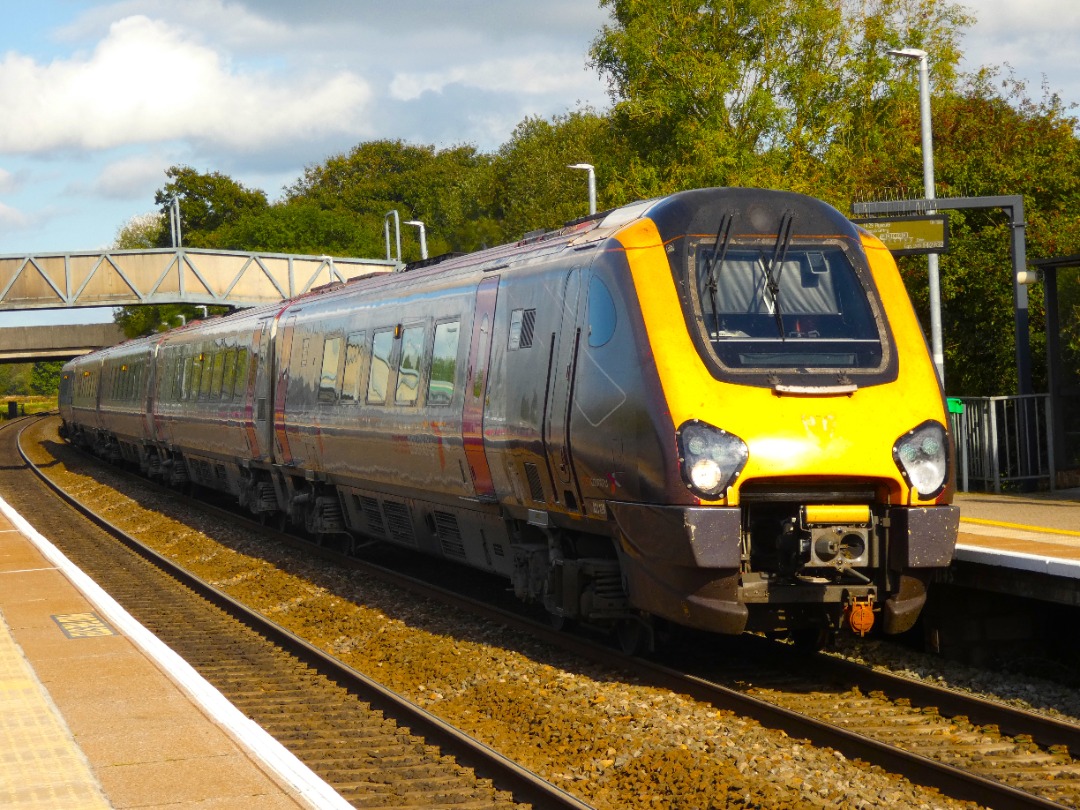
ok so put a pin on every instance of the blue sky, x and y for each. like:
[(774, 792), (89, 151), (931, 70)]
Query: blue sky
[(100, 98)]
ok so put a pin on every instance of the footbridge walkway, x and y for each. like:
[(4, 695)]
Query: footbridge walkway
[(185, 275)]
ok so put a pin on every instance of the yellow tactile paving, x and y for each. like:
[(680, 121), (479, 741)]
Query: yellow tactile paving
[(40, 764)]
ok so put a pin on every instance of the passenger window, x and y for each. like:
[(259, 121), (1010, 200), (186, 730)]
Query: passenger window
[(350, 377), (412, 349), (229, 380), (381, 346), (218, 378), (191, 380), (602, 316), (328, 377), (443, 364), (242, 368), (206, 377)]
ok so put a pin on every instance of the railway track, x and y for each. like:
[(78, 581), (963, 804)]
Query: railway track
[(371, 745), (969, 749)]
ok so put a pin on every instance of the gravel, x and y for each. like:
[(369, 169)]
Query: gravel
[(1021, 691)]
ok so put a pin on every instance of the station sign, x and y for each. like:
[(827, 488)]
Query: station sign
[(910, 235)]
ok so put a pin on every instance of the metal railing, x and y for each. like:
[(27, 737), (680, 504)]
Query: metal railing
[(1004, 442)]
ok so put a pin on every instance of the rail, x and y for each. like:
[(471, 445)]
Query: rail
[(1004, 442)]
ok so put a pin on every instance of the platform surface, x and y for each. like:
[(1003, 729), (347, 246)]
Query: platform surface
[(1035, 532), (88, 720)]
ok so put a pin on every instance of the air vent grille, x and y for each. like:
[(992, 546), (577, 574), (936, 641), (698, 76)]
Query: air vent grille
[(449, 533), (399, 522), (536, 486)]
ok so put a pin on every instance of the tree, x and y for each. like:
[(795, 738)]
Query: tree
[(207, 202), (146, 319), (760, 91), (991, 138), (15, 379), (301, 226), (448, 190), (141, 232), (45, 377), (533, 186)]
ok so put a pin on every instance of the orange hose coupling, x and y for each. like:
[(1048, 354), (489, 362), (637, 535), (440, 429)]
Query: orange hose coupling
[(859, 613)]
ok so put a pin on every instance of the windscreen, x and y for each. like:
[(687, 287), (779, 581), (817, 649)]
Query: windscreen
[(805, 309)]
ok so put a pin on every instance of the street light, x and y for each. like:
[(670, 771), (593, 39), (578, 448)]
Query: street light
[(933, 276), (397, 233), (592, 183), (423, 236), (174, 221)]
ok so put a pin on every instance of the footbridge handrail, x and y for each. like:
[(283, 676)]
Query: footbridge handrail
[(169, 275)]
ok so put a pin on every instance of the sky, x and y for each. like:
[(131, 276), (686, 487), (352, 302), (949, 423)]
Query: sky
[(99, 98)]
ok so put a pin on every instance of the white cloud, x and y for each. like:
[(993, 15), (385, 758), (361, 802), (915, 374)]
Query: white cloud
[(1036, 38), (522, 76), (12, 219), (132, 177), (8, 184), (149, 82)]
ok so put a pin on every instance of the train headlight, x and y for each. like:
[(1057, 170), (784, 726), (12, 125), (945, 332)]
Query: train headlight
[(711, 458), (922, 455)]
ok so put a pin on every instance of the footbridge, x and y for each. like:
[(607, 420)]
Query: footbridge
[(169, 276)]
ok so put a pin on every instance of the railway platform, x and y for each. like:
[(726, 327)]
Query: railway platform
[(1013, 590), (93, 715), (1038, 532)]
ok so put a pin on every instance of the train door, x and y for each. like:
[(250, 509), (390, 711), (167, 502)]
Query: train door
[(257, 391), (150, 411), (281, 389), (561, 391), (472, 416)]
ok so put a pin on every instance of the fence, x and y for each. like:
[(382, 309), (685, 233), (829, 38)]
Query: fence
[(1003, 442)]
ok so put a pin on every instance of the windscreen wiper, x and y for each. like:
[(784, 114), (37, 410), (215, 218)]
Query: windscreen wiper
[(772, 283), (723, 238)]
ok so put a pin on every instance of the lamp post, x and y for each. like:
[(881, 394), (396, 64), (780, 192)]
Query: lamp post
[(423, 236), (397, 233), (174, 221), (933, 276), (588, 167)]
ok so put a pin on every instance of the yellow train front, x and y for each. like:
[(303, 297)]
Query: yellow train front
[(756, 412)]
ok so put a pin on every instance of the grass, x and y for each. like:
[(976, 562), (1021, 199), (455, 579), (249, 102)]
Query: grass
[(28, 405)]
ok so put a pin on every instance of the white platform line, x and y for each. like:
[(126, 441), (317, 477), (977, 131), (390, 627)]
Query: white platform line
[(247, 732), (1019, 560)]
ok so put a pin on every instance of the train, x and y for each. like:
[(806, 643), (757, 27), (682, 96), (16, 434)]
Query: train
[(714, 409)]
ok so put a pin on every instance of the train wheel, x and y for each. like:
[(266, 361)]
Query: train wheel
[(810, 639), (559, 622), (635, 636)]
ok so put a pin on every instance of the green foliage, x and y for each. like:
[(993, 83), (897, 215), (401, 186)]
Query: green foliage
[(15, 379), (449, 191), (762, 91), (150, 318), (45, 378), (207, 202), (142, 232), (534, 188)]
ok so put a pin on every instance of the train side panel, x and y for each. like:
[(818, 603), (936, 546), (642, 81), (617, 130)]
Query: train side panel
[(202, 403)]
